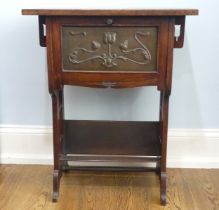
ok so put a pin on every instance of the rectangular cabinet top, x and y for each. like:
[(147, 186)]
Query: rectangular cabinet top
[(146, 12)]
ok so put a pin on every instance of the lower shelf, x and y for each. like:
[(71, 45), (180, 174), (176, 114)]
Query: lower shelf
[(111, 141)]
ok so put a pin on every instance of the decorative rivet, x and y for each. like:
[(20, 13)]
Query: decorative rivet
[(109, 21)]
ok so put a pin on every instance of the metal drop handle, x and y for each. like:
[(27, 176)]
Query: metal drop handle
[(109, 21)]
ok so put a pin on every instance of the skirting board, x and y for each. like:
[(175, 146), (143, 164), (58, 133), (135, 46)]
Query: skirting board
[(187, 148)]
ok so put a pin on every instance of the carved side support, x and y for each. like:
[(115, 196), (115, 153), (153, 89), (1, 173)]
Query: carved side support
[(164, 108), (56, 92), (42, 21)]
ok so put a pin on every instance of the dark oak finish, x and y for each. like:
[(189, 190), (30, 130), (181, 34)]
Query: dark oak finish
[(109, 137), (117, 80), (120, 78), (91, 60)]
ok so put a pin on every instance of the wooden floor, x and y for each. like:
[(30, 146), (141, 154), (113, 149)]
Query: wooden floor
[(29, 187)]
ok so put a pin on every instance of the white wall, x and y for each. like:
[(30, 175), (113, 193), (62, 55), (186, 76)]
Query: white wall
[(187, 148), (24, 98)]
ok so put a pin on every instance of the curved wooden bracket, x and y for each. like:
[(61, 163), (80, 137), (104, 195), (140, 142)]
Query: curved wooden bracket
[(42, 22), (179, 40)]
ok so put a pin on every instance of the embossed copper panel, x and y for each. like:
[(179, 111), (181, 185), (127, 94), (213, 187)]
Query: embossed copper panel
[(109, 48)]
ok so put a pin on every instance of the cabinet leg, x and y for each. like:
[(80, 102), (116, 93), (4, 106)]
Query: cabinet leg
[(164, 106), (163, 188), (57, 133), (56, 184)]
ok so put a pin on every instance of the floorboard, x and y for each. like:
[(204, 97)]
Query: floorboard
[(29, 187)]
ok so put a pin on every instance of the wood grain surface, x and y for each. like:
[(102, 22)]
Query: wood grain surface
[(145, 12), (29, 187)]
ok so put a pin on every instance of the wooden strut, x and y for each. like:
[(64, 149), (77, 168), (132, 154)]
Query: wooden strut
[(58, 114), (164, 105)]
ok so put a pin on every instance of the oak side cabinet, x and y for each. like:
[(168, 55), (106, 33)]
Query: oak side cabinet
[(110, 49)]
